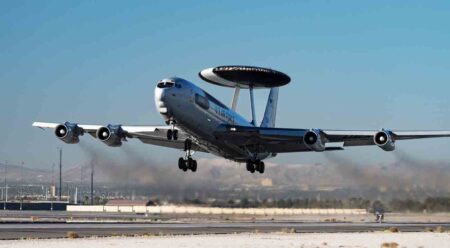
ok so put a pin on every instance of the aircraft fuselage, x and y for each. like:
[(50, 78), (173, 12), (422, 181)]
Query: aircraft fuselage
[(199, 114)]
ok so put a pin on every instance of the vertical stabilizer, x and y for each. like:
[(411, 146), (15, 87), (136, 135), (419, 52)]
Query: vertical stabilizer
[(271, 109)]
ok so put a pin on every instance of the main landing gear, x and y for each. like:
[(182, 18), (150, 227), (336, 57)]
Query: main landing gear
[(256, 165), (187, 163)]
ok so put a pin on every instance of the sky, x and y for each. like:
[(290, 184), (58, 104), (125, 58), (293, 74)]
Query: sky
[(353, 65)]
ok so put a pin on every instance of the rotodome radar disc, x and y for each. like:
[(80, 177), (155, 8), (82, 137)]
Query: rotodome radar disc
[(244, 76)]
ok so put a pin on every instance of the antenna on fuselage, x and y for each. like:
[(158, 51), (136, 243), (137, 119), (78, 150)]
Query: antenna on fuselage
[(245, 77)]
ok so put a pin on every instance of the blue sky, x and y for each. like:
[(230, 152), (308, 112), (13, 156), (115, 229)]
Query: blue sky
[(353, 64)]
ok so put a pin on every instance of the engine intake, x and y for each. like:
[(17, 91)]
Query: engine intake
[(68, 132), (314, 141), (383, 139), (111, 135)]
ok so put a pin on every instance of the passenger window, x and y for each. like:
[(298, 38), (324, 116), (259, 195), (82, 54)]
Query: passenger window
[(201, 101)]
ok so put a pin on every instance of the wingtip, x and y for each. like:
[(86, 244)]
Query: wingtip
[(37, 124)]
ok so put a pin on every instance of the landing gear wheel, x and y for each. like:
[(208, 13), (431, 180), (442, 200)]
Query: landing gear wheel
[(189, 163), (257, 165), (194, 166), (169, 134), (261, 167), (181, 163), (175, 134), (249, 164), (252, 167)]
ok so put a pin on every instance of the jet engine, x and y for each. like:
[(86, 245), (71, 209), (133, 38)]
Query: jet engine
[(111, 135), (314, 141), (68, 132), (383, 139)]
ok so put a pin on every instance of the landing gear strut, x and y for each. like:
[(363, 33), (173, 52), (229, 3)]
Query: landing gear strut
[(187, 163), (256, 165)]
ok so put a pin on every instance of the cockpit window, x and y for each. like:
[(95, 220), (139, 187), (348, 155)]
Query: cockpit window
[(165, 84)]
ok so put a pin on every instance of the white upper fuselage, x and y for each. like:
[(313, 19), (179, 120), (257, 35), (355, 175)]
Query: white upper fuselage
[(199, 114)]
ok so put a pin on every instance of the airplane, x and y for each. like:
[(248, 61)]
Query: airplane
[(198, 122)]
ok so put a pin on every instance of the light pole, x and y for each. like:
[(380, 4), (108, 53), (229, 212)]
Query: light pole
[(92, 183), (60, 174), (81, 184), (6, 185), (53, 185), (21, 185)]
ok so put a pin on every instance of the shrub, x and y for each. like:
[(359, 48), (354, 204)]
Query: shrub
[(389, 245), (72, 235), (440, 229), (392, 229)]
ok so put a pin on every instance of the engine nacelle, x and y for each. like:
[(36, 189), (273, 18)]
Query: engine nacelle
[(68, 132), (314, 141), (383, 139), (111, 135)]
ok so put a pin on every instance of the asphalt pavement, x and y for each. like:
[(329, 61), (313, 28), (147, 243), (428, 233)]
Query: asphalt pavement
[(60, 230)]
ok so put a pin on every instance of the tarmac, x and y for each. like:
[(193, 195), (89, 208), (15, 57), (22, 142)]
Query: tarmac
[(56, 224), (60, 230)]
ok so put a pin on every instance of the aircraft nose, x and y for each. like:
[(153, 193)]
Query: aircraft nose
[(162, 87), (160, 95), (162, 90)]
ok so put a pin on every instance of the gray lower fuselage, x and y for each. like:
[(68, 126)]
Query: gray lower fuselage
[(199, 114)]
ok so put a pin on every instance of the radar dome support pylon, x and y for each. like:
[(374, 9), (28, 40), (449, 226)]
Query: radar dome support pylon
[(235, 98), (252, 104)]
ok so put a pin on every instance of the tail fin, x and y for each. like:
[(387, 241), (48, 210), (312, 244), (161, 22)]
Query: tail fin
[(271, 109)]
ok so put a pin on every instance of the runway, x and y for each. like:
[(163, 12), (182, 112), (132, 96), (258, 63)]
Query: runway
[(59, 230)]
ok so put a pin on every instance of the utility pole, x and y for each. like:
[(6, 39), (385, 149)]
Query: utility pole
[(92, 183), (75, 196), (81, 184), (60, 174), (53, 185), (21, 185), (68, 193), (6, 185)]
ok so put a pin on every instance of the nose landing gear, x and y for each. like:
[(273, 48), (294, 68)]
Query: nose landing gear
[(187, 163), (172, 134), (256, 165)]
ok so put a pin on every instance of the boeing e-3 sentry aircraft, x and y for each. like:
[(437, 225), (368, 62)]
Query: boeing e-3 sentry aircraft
[(196, 121)]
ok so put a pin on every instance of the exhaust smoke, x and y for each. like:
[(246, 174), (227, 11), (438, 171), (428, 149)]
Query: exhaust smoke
[(131, 170)]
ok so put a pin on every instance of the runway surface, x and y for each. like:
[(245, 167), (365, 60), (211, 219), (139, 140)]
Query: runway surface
[(56, 230)]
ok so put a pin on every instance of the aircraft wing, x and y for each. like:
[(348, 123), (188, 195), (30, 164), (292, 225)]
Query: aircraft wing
[(154, 135), (280, 140), (356, 138)]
